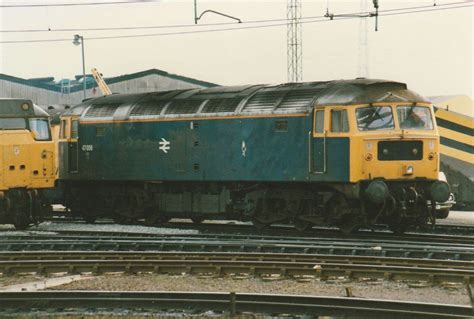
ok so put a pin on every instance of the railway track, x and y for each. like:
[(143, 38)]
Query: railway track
[(256, 264), (240, 243), (438, 229), (224, 255), (267, 256), (228, 303), (278, 231), (367, 236), (239, 233)]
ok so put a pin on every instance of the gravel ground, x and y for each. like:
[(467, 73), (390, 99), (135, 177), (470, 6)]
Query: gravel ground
[(14, 280), (48, 226), (119, 314), (454, 294), (455, 218), (380, 289)]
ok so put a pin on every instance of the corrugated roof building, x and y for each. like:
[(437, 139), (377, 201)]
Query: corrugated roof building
[(44, 91)]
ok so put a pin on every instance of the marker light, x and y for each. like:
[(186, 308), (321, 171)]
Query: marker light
[(368, 157), (408, 170)]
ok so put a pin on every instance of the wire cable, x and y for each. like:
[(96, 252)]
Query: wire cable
[(210, 24), (75, 4), (315, 20)]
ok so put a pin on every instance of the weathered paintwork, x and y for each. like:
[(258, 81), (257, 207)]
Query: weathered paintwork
[(27, 162), (235, 149), (289, 152), (20, 108), (242, 133)]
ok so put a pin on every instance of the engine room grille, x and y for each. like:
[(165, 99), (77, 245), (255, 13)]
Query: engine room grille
[(183, 106), (298, 99), (221, 105), (264, 100), (149, 108), (102, 110)]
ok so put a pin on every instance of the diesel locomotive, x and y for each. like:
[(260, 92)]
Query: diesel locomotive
[(349, 153), (27, 159)]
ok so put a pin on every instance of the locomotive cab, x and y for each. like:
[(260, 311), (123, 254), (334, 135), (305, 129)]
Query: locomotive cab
[(389, 152), (27, 162)]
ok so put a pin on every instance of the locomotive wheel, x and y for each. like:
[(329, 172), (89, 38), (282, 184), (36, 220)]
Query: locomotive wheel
[(163, 219), (197, 220), (260, 225), (122, 220), (349, 225), (21, 221), (89, 219), (156, 220), (347, 221), (398, 228), (302, 225)]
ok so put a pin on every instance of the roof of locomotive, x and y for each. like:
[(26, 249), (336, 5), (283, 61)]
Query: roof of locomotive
[(244, 100), (20, 108)]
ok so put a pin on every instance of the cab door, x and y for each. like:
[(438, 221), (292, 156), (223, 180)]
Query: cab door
[(319, 143), (70, 138), (331, 144)]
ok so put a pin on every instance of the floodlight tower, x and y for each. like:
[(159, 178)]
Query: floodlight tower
[(294, 41), (363, 42)]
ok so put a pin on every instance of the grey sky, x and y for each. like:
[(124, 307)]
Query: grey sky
[(431, 51)]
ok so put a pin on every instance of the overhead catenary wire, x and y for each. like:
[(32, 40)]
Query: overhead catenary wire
[(314, 20), (76, 4), (216, 24)]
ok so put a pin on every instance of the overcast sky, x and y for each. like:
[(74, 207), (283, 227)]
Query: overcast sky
[(431, 51)]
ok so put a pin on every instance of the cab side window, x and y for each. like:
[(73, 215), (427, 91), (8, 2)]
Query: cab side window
[(63, 129), (339, 121), (74, 129), (319, 121)]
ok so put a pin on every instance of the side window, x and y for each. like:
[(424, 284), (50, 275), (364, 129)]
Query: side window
[(63, 129), (320, 121), (74, 129), (339, 121)]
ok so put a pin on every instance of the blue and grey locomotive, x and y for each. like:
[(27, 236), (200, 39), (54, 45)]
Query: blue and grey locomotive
[(350, 153)]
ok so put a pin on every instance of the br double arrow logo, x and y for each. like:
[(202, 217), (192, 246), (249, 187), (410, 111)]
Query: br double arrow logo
[(165, 145)]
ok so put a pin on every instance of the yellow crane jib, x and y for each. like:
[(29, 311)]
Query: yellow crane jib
[(100, 82)]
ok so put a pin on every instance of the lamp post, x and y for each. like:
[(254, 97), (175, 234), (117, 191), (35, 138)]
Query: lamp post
[(78, 39)]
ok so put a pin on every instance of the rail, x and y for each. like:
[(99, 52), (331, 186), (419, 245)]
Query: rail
[(322, 267), (231, 303)]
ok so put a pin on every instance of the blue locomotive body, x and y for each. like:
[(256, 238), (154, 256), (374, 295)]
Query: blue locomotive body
[(307, 153), (269, 149)]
